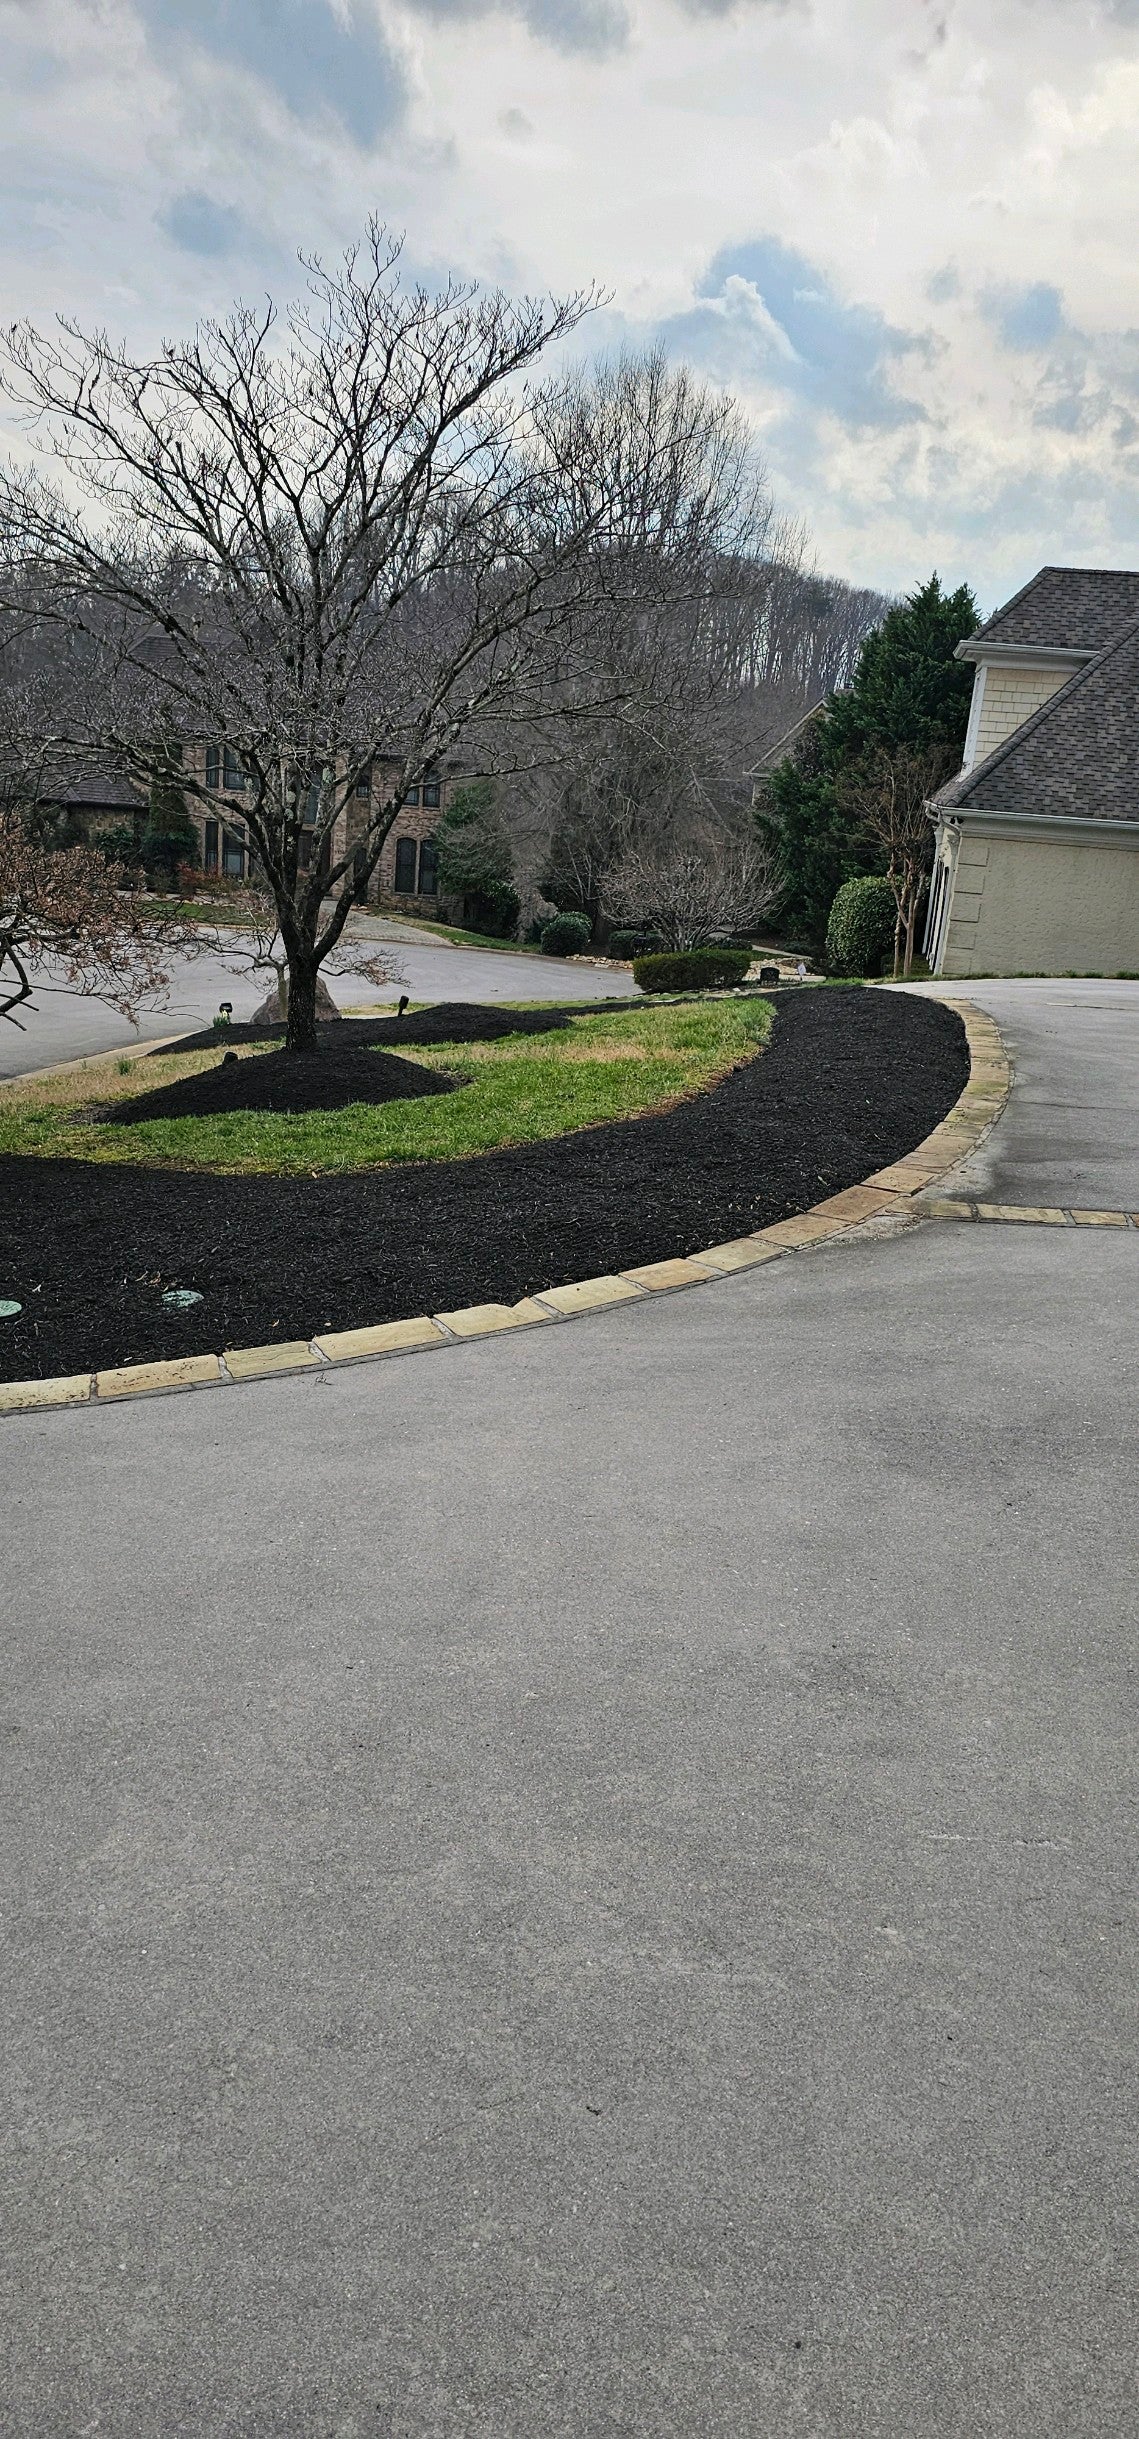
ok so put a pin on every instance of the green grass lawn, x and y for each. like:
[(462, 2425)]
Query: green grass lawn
[(521, 1089)]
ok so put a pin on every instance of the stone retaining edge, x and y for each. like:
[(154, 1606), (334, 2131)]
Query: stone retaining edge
[(892, 1190)]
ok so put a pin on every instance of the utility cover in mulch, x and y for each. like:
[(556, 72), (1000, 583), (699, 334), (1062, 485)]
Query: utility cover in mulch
[(329, 1079), (850, 1080), (451, 1020)]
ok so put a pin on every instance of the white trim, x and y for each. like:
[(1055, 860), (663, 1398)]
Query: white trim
[(1024, 656), (974, 718), (1041, 825)]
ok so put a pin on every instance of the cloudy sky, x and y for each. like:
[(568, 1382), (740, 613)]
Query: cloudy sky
[(903, 231)]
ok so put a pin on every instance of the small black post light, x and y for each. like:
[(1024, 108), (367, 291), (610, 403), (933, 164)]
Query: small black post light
[(403, 1004)]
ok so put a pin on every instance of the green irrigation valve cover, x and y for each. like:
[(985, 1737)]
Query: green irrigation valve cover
[(180, 1299), (8, 1310)]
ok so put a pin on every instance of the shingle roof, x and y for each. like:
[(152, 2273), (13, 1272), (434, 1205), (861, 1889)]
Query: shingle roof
[(1073, 609), (1077, 757)]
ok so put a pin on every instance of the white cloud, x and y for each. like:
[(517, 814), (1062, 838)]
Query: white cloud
[(955, 183)]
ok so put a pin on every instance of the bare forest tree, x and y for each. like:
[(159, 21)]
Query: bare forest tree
[(775, 640), (888, 795), (364, 532), (691, 891)]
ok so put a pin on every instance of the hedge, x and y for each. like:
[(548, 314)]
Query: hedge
[(860, 930), (705, 969)]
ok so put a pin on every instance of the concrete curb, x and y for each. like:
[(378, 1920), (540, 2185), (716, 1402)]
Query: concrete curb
[(892, 1190)]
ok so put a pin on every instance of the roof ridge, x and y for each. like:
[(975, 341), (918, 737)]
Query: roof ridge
[(1037, 718), (1052, 567)]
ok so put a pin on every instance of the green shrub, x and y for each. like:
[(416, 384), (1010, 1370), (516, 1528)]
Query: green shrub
[(704, 969), (860, 932), (565, 935), (634, 944), (493, 910)]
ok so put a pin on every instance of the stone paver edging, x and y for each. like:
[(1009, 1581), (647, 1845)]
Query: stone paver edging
[(895, 1189)]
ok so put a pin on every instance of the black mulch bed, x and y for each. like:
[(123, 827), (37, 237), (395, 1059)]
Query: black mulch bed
[(851, 1080), (330, 1080), (451, 1020)]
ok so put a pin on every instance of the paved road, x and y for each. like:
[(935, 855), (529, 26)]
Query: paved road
[(64, 1026), (584, 1884)]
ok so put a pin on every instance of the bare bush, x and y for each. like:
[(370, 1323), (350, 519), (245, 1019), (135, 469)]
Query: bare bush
[(65, 918), (690, 891)]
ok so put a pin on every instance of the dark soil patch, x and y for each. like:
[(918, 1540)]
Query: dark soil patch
[(850, 1081), (331, 1079), (453, 1020)]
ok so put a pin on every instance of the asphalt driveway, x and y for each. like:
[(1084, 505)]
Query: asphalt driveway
[(585, 1884)]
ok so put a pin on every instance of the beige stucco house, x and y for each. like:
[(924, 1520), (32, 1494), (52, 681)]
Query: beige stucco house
[(1036, 861)]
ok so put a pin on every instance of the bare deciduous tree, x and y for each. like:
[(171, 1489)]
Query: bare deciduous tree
[(691, 891), (366, 533), (888, 795)]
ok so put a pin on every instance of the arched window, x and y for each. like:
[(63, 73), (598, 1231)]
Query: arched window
[(428, 869), (405, 867)]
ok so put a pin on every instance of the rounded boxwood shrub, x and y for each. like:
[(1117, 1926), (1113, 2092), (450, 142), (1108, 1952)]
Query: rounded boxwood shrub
[(860, 931), (623, 944), (565, 935), (703, 969)]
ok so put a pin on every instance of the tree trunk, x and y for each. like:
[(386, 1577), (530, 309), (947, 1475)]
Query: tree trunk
[(300, 1030)]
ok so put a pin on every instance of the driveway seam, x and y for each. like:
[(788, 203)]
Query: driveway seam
[(894, 1190)]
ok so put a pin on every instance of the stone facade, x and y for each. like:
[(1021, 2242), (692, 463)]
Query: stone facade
[(404, 873)]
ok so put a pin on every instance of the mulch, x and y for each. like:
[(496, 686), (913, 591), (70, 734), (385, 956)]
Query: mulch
[(450, 1020), (331, 1079), (851, 1080)]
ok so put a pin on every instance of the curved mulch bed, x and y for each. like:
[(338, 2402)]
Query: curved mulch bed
[(449, 1020), (850, 1081), (274, 1081)]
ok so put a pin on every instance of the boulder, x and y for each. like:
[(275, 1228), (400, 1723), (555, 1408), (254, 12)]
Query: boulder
[(274, 1007)]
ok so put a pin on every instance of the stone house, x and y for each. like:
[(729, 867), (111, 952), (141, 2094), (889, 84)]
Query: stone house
[(1036, 856), (407, 871)]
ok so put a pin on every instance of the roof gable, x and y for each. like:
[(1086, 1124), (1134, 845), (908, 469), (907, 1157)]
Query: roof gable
[(1077, 758)]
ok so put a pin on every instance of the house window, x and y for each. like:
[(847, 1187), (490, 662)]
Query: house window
[(211, 847), (233, 856), (428, 868), (405, 867), (223, 770), (411, 796), (431, 793), (364, 784)]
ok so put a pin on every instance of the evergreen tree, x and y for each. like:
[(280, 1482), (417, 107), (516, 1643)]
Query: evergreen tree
[(169, 837), (908, 690), (476, 860)]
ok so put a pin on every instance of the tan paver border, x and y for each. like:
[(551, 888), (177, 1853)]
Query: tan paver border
[(902, 1188)]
